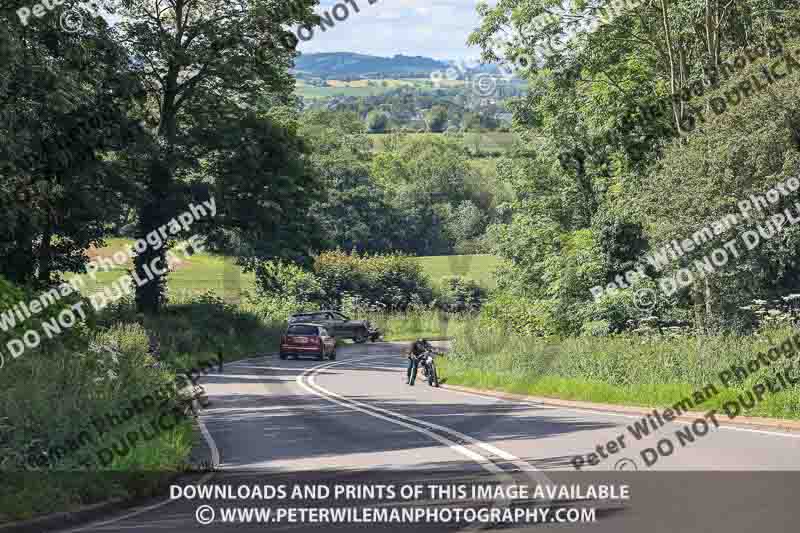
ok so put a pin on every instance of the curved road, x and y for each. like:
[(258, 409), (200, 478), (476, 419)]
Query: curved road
[(354, 421)]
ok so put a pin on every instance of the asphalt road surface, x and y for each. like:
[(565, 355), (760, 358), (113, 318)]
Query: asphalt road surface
[(354, 423)]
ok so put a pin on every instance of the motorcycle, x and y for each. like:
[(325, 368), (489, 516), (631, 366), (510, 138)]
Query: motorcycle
[(429, 367)]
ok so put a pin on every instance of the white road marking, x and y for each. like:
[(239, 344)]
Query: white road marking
[(350, 404), (484, 462), (369, 409), (215, 459), (205, 479), (613, 413)]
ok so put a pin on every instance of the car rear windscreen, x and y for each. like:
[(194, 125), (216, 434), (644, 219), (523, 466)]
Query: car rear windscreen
[(301, 330)]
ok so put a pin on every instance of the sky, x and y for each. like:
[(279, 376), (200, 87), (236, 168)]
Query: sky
[(430, 28)]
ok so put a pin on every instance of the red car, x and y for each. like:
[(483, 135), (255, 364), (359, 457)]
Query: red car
[(307, 339)]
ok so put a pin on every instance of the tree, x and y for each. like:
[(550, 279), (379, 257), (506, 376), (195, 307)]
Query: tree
[(65, 121), (207, 64), (353, 214), (732, 156), (266, 190), (601, 180), (425, 180), (436, 119), (377, 122)]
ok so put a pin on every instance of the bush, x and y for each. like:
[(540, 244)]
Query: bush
[(390, 281), (596, 328), (460, 294), (283, 289), (615, 307), (11, 295), (507, 312)]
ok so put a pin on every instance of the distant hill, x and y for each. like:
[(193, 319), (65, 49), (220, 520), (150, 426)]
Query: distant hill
[(338, 65)]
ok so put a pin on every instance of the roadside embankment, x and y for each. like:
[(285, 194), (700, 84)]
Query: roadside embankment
[(98, 414), (755, 376)]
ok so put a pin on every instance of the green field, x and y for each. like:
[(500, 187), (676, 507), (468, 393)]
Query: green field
[(477, 267), (361, 87), (198, 274), (205, 272)]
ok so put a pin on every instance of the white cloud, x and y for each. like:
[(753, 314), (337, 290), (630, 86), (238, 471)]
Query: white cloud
[(433, 28)]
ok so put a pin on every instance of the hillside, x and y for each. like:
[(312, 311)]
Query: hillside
[(347, 64)]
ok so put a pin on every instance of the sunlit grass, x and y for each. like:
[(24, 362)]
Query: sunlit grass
[(204, 272), (626, 370)]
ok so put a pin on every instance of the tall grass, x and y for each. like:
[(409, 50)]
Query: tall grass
[(630, 370), (50, 398)]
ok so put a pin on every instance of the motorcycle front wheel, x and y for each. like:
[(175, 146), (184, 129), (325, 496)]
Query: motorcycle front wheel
[(433, 377)]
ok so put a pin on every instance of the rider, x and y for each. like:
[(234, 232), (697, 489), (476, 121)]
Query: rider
[(417, 348)]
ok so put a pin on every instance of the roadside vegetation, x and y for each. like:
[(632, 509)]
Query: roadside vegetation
[(621, 369), (120, 356), (314, 209)]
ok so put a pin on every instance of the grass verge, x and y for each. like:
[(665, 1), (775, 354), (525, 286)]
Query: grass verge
[(625, 370), (51, 402)]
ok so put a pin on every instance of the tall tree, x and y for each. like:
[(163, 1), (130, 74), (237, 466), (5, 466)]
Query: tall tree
[(64, 120), (206, 65)]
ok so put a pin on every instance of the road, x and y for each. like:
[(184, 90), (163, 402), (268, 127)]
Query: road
[(355, 422)]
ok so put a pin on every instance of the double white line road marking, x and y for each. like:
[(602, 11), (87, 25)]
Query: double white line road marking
[(443, 435)]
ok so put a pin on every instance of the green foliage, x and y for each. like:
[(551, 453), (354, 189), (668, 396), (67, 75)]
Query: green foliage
[(354, 212), (265, 192), (69, 338), (457, 294), (377, 122), (285, 288), (596, 328), (621, 369), (51, 394), (437, 119), (319, 122), (508, 312), (205, 142), (614, 308), (392, 281), (436, 193), (600, 179), (64, 121)]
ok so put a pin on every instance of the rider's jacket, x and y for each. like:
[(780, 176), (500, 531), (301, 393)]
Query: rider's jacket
[(416, 349)]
